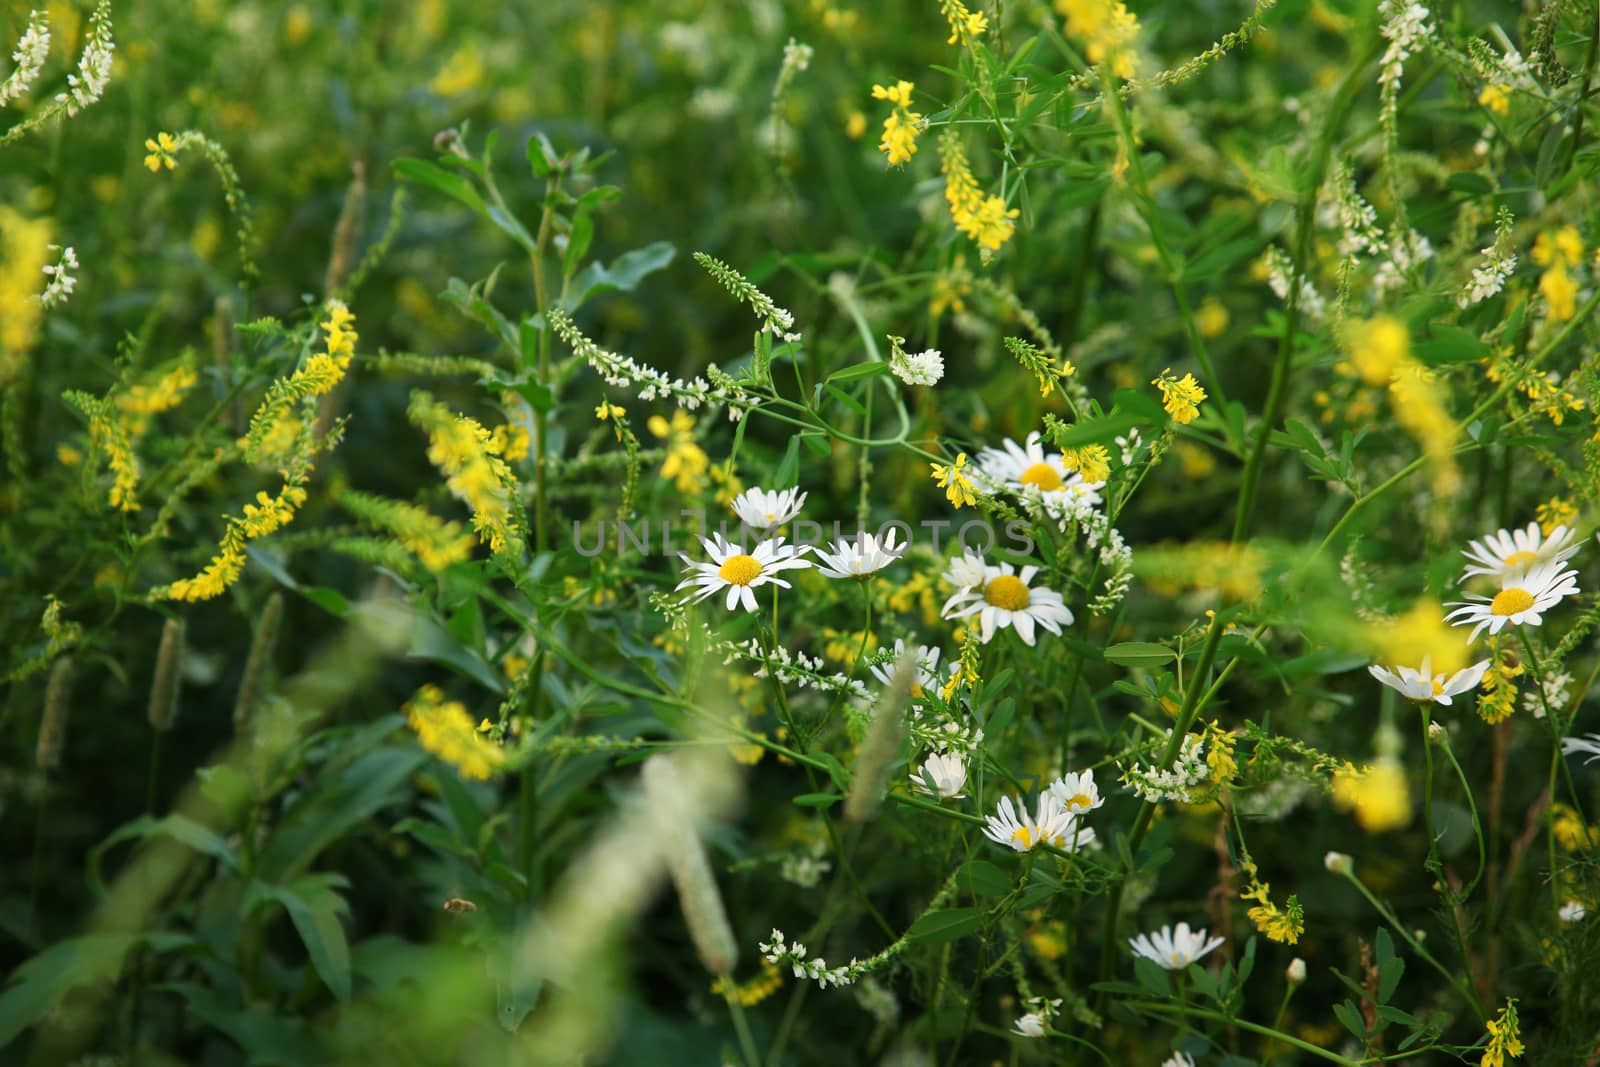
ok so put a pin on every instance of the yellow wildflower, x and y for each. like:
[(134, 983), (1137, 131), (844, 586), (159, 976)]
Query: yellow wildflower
[(757, 989), (462, 72), (1496, 98), (607, 410), (445, 729), (1283, 925), (687, 463), (1211, 318), (1380, 355), (1377, 793), (1379, 349), (1505, 1037), (1563, 247), (1569, 830), (1421, 633), (1497, 692), (435, 542), (139, 402), (983, 219), (1180, 396), (964, 24), (24, 252), (512, 441), (855, 125), (1557, 511), (1107, 29), (1560, 292), (1091, 461), (954, 481), (161, 152), (477, 473), (901, 128)]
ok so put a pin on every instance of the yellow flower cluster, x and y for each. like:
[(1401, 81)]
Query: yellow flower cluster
[(1181, 397), (445, 729), (1557, 511), (111, 436), (1570, 831), (964, 24), (1420, 633), (1496, 98), (1377, 793), (1220, 759), (686, 463), (952, 478), (1380, 355), (982, 218), (317, 376), (1091, 461), (1505, 1037), (916, 592), (1233, 570), (1107, 29), (901, 128), (24, 253), (1497, 693), (512, 441), (1284, 925), (1557, 251), (476, 471), (161, 151), (435, 542), (139, 402), (757, 989)]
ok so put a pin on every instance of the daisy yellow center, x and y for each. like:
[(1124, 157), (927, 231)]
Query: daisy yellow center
[(739, 570), (1177, 957), (1517, 559), (1041, 476), (1079, 801), (1437, 688), (1024, 835), (1510, 602), (917, 690), (1008, 592)]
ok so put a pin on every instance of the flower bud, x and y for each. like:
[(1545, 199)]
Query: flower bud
[(1296, 972), (163, 708), (1437, 736), (1339, 863)]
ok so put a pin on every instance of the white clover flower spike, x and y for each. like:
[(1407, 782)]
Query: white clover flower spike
[(1051, 825), (1506, 552), (762, 509), (1572, 912), (918, 368), (1422, 685), (1076, 792), (1028, 469), (1523, 599), (861, 558), (1032, 1024), (1173, 949), (1591, 745), (740, 572), (942, 776), (1006, 599)]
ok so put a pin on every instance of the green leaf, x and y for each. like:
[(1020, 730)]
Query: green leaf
[(788, 472), (1449, 344), (578, 242), (437, 178), (1140, 654), (1347, 1014), (984, 879), (542, 157), (431, 641), (1152, 977), (945, 925), (314, 907), (624, 274), (180, 828), (856, 371), (817, 800)]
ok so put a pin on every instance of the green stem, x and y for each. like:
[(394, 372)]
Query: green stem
[(1254, 1028), (741, 1026), (1389, 917), (1282, 370)]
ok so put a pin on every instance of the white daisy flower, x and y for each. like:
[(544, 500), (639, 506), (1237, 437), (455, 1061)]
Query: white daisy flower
[(738, 571), (1005, 599), (1422, 685), (1027, 468), (966, 571), (1076, 792), (1591, 745), (1051, 825), (762, 509), (1572, 912), (1524, 597), (1506, 552), (942, 776), (1173, 949), (861, 558), (1178, 1059), (927, 658)]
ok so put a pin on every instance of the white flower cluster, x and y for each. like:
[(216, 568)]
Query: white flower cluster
[(1129, 446), (94, 65), (929, 729), (774, 319), (1499, 262), (62, 281), (793, 668), (1279, 270), (1406, 250), (817, 969), (1356, 219), (1404, 24), (917, 368), (1557, 692), (805, 866), (1170, 783), (33, 47), (1115, 555), (623, 372), (1036, 1023)]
